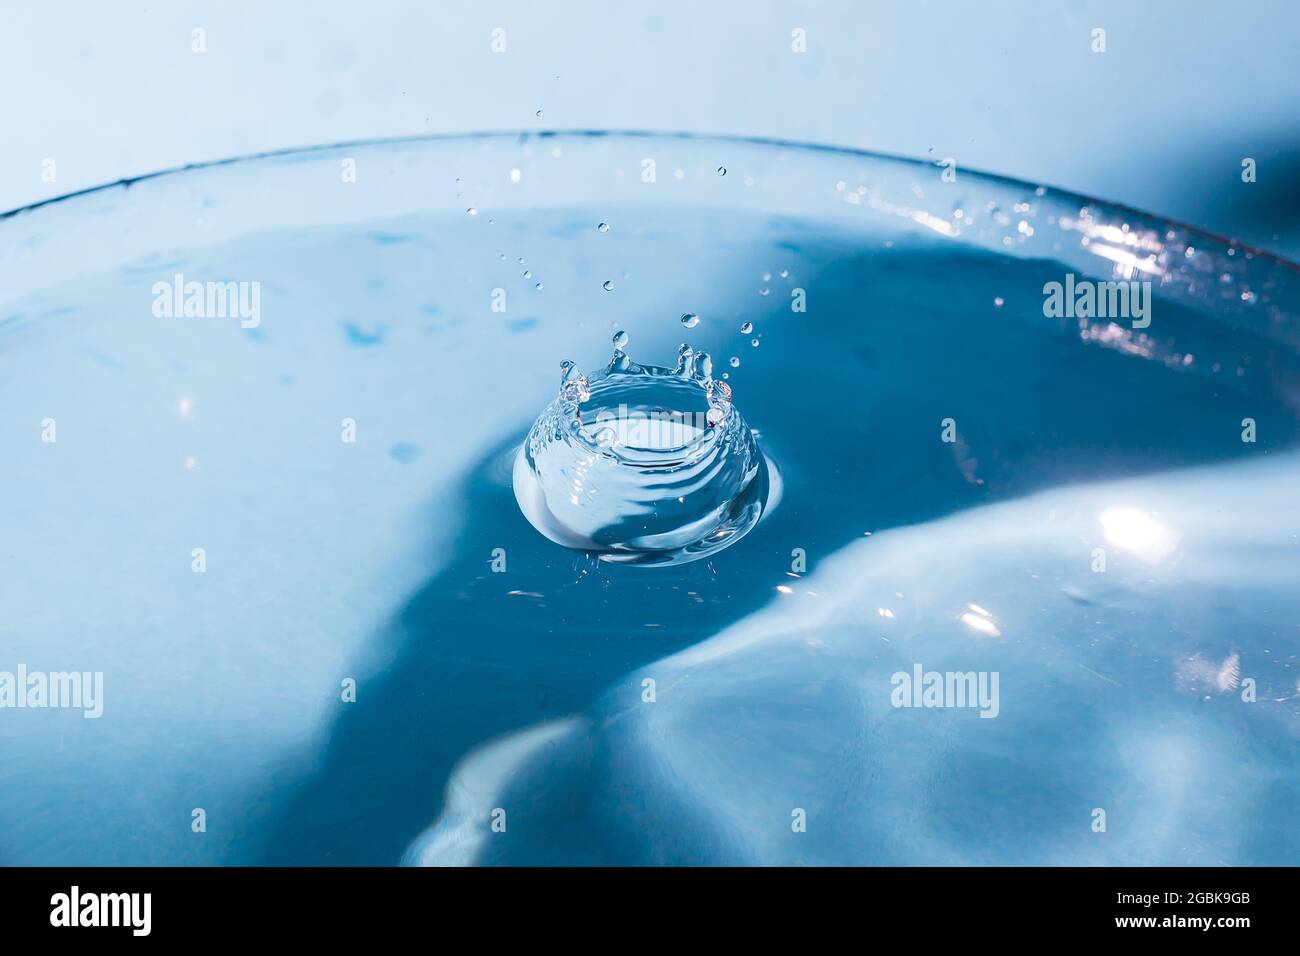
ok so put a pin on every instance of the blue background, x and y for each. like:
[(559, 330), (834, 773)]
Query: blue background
[(1161, 120)]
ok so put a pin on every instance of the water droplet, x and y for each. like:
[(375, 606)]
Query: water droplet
[(539, 287), (573, 384), (472, 211), (722, 170), (690, 320), (998, 302), (642, 465), (528, 274), (539, 112), (603, 227), (608, 285), (516, 175), (754, 342), (735, 362), (746, 328), (763, 291), (785, 273), (620, 339)]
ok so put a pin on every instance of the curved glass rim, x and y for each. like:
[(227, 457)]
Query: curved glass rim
[(876, 197), (1057, 192)]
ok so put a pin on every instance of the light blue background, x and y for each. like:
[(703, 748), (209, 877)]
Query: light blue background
[(1161, 120)]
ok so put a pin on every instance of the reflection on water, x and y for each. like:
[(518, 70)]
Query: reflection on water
[(345, 469)]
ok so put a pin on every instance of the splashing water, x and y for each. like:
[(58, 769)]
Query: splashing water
[(643, 464)]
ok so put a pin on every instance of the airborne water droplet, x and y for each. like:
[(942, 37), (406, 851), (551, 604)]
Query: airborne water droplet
[(722, 170), (603, 227), (746, 328), (620, 339), (608, 285), (735, 362), (690, 320)]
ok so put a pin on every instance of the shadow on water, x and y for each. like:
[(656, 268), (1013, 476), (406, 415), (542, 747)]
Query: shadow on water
[(850, 406)]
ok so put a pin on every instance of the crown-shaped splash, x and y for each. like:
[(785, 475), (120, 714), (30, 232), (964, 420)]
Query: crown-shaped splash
[(642, 464)]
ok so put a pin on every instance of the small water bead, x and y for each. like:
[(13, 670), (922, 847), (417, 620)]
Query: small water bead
[(539, 287), (754, 342), (746, 328), (722, 170), (608, 285), (620, 339), (998, 302), (472, 211), (785, 273), (603, 227), (735, 362), (764, 291), (690, 320), (528, 274)]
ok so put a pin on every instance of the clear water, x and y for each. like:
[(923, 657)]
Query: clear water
[(497, 670), (643, 464)]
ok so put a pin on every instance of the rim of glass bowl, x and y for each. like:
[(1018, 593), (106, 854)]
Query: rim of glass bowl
[(197, 204)]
